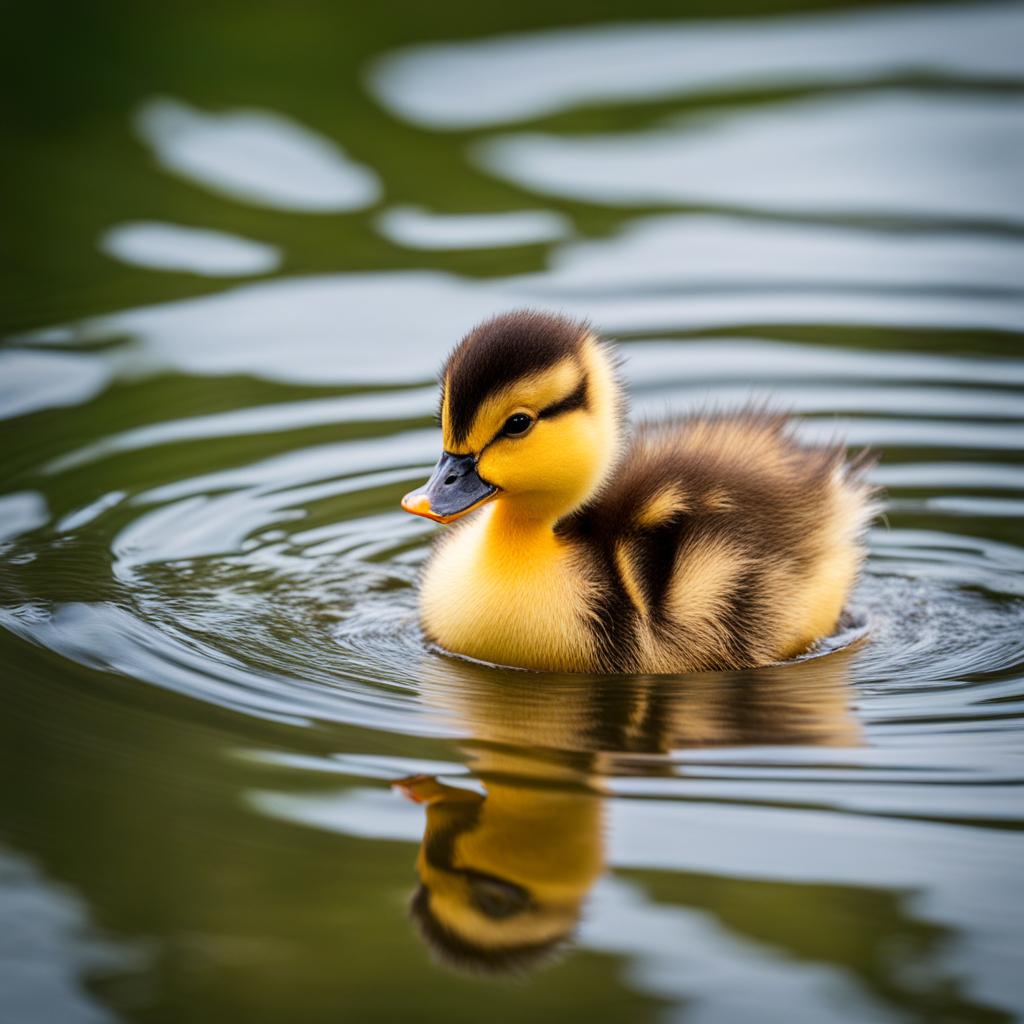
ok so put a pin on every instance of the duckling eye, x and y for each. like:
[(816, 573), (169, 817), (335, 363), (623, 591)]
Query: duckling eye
[(496, 898), (518, 423)]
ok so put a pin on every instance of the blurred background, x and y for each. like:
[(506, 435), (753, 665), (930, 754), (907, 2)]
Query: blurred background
[(237, 241)]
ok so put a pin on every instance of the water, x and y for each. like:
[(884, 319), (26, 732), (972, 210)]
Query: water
[(237, 250)]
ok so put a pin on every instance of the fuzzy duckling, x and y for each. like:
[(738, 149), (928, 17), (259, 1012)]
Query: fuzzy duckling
[(709, 542)]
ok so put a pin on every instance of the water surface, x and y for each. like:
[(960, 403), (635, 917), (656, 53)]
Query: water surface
[(237, 251)]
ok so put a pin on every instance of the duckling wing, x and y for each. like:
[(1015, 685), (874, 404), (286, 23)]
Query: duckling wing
[(721, 541)]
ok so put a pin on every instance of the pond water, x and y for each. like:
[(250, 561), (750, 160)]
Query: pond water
[(236, 249)]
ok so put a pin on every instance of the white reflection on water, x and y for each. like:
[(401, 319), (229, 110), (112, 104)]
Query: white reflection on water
[(413, 403), (706, 360), (48, 946), (946, 157), (83, 516), (507, 78), (966, 879), (393, 326), (160, 246), (256, 156), (31, 380), (696, 253), (360, 328), (415, 228), (686, 955), (318, 466), (22, 512)]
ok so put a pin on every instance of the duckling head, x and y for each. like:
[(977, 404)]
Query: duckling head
[(530, 416), (503, 877)]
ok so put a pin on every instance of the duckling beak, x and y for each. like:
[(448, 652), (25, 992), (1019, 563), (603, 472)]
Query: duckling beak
[(454, 488)]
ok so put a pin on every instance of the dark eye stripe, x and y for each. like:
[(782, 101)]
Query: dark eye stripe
[(577, 399)]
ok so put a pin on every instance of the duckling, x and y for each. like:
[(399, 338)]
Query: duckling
[(715, 541)]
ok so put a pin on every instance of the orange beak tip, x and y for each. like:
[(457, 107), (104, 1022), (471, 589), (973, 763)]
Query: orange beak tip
[(410, 787), (417, 503)]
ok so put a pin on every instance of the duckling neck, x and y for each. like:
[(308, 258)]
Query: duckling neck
[(519, 546), (515, 524), (505, 591)]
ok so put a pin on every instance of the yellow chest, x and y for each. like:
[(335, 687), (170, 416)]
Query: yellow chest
[(512, 598)]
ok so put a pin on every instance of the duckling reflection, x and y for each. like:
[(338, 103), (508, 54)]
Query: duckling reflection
[(504, 874)]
